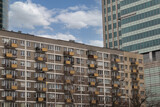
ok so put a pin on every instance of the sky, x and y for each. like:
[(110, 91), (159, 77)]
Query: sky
[(78, 20)]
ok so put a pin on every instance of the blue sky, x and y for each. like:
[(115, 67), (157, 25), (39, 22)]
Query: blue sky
[(78, 20)]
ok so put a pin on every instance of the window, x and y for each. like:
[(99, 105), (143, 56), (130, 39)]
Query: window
[(106, 73), (78, 60), (50, 47), (99, 55), (140, 61), (126, 75), (22, 63), (58, 58), (100, 63), (57, 48), (100, 72), (105, 55), (57, 67), (22, 43), (125, 58), (22, 73), (107, 81), (141, 76), (51, 57), (22, 53), (28, 54), (78, 52), (22, 84), (106, 64), (126, 66), (28, 64), (28, 85), (22, 95), (142, 92), (28, 74), (82, 52), (28, 44)]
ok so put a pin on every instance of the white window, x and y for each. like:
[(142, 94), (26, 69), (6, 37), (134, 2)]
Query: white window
[(100, 63), (28, 44), (28, 95), (22, 43), (51, 57), (22, 95), (28, 64), (78, 52), (22, 63), (50, 47), (57, 67), (28, 54), (28, 74), (107, 90), (105, 55), (22, 53), (22, 73), (22, 84), (28, 85), (57, 48), (106, 64)]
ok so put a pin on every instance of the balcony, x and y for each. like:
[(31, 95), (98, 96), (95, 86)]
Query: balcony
[(14, 87), (115, 85), (72, 91), (134, 71), (40, 99), (11, 45), (115, 68), (13, 66), (135, 87), (41, 59), (44, 89), (9, 98), (92, 57), (116, 102), (69, 53), (9, 55), (43, 50), (119, 94), (96, 92), (95, 74), (72, 72), (9, 76), (135, 63), (92, 83), (93, 102), (44, 69), (117, 60), (68, 81), (67, 62), (118, 77), (68, 100), (92, 66), (40, 79)]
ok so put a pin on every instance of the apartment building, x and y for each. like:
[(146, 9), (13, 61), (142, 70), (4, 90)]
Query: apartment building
[(43, 72), (3, 14)]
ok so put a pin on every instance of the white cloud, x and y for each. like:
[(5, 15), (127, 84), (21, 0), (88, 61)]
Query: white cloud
[(98, 43), (80, 19), (29, 15), (61, 36)]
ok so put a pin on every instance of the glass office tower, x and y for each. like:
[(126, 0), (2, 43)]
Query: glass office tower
[(140, 32), (111, 23), (4, 14)]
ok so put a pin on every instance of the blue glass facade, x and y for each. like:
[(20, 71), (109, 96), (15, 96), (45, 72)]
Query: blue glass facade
[(4, 14)]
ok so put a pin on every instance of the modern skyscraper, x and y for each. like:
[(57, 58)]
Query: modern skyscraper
[(4, 14), (42, 72), (111, 23), (140, 32)]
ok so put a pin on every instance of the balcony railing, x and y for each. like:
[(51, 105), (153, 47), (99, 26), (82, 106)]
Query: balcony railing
[(10, 98), (92, 57), (10, 66), (41, 59), (11, 45), (43, 50), (69, 53)]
